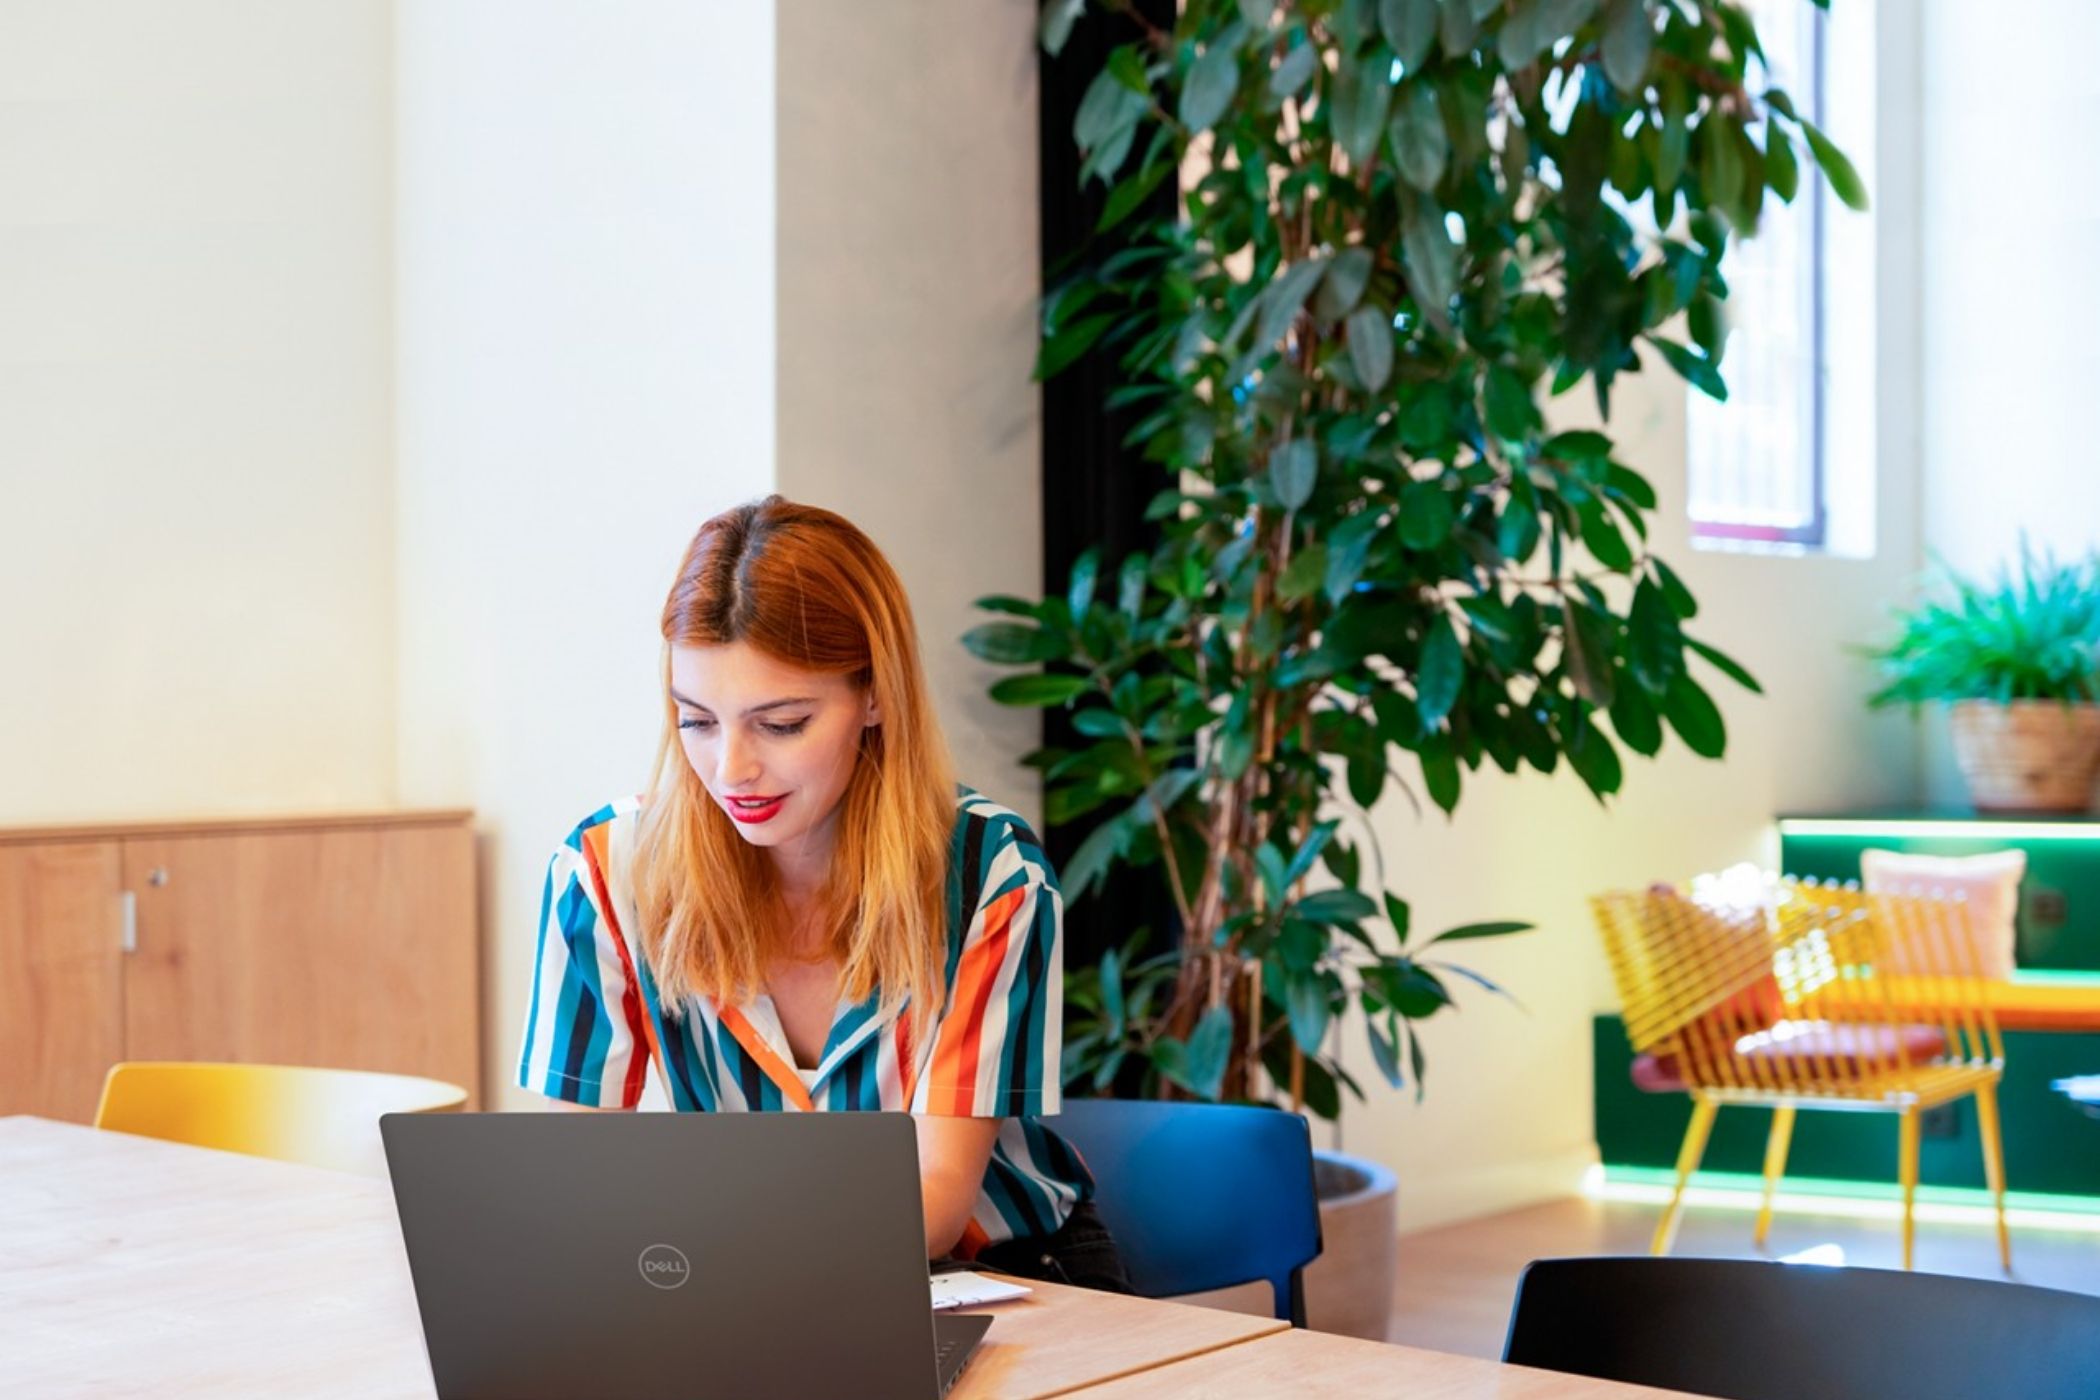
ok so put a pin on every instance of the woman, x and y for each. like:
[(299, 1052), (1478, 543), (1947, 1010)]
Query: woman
[(806, 913)]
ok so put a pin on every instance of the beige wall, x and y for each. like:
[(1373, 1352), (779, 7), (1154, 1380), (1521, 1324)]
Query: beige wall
[(2012, 257), (196, 500), (586, 373), (907, 285)]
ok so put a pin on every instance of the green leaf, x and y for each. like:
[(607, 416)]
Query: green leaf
[(1208, 1047), (1212, 81), (1039, 690), (1602, 537), (1410, 27), (1727, 666), (1293, 470), (1634, 720), (1440, 773), (1069, 343), (1335, 907), (1370, 337), (1057, 20), (1697, 370), (1099, 724), (1782, 173), (1442, 672), (1281, 301), (1091, 861), (1342, 287), (1080, 595), (1309, 851), (1295, 71), (1005, 643), (1348, 546), (1692, 713), (1386, 1055), (1257, 12), (1398, 914), (1360, 95), (1457, 26), (1112, 993), (1629, 38), (1307, 1000), (1421, 147), (1581, 445), (1269, 864), (1305, 573), (1511, 413), (1679, 597), (1124, 199), (1426, 514), (1844, 180), (1594, 759), (1655, 648), (1432, 261), (1495, 929)]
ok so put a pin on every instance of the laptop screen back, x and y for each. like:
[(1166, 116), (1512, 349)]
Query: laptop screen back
[(745, 1255)]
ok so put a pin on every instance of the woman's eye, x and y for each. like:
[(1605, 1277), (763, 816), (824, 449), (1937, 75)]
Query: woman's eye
[(701, 724), (784, 730)]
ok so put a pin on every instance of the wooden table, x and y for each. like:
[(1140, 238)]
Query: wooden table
[(135, 1267), (1316, 1366), (130, 1266)]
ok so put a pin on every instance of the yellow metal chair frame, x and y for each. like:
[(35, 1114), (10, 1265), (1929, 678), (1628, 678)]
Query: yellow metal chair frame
[(320, 1117), (1701, 984)]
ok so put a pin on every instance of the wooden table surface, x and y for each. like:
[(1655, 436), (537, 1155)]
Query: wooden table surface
[(130, 1266), (1316, 1366), (135, 1267)]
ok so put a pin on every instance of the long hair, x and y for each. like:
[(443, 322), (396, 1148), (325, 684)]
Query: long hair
[(808, 589)]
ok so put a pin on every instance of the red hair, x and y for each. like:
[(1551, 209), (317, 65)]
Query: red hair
[(806, 587)]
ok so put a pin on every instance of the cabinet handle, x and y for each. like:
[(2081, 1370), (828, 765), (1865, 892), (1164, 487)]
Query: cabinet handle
[(128, 904)]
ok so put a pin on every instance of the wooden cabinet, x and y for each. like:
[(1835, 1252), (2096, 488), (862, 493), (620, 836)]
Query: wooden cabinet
[(340, 941)]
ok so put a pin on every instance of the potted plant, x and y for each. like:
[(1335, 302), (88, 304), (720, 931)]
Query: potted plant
[(2017, 661), (1403, 225)]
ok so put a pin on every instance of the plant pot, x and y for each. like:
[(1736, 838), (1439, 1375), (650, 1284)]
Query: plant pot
[(2028, 755), (1349, 1288)]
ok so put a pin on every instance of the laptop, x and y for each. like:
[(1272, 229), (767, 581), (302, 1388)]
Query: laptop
[(750, 1256)]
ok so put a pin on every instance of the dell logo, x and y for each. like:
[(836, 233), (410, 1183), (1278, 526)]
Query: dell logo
[(664, 1266)]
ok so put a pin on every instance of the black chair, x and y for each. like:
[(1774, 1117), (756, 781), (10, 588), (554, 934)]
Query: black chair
[(1747, 1329), (1202, 1195)]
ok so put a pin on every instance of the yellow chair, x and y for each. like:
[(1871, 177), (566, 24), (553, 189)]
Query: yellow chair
[(1806, 996), (320, 1117)]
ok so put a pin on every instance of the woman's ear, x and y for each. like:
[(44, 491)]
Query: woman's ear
[(873, 716)]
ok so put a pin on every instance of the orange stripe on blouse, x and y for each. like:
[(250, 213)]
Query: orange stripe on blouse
[(776, 1069), (954, 1067), (973, 1240), (596, 845)]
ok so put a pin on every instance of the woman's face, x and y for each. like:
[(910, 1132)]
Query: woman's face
[(773, 745)]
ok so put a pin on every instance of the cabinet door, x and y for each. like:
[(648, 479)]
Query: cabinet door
[(352, 948), (61, 977)]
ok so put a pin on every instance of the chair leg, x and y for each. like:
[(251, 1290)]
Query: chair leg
[(1695, 1134), (1994, 1164), (1907, 1168), (1776, 1144)]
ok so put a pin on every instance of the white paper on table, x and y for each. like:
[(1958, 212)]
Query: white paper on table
[(964, 1289)]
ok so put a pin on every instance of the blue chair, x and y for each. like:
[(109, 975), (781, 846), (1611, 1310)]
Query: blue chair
[(1751, 1329), (1202, 1195)]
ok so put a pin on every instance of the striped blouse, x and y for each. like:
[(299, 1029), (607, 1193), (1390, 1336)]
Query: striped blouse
[(596, 1024)]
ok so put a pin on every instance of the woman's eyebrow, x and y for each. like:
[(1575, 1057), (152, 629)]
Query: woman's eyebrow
[(755, 709)]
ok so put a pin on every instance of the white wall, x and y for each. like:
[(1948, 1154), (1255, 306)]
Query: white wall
[(586, 373), (196, 504), (1508, 1114), (908, 279), (2012, 269)]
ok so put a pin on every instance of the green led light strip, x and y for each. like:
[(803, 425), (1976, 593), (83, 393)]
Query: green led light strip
[(1974, 1197), (2000, 831)]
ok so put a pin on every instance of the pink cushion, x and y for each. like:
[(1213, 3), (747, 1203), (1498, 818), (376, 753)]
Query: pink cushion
[(1818, 1044), (1989, 884)]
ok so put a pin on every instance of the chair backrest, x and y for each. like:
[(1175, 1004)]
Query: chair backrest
[(1202, 1196), (321, 1117), (1748, 1329), (1705, 979)]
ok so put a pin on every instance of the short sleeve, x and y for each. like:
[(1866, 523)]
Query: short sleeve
[(995, 1052), (585, 1037)]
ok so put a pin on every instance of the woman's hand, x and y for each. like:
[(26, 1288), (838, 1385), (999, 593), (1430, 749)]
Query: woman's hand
[(953, 1153)]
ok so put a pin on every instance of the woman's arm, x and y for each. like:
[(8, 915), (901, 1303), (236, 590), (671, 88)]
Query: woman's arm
[(953, 1153)]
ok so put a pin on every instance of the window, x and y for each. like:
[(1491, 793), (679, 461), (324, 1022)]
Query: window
[(1788, 462)]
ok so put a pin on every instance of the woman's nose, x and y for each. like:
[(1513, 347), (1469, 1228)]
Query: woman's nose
[(739, 763)]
